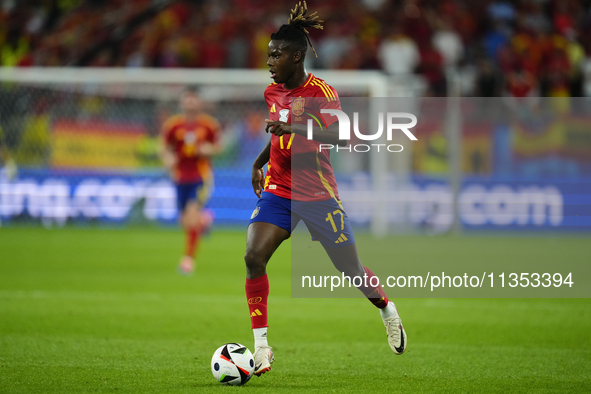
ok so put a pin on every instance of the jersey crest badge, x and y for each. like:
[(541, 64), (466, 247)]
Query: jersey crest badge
[(297, 107), (283, 115), (255, 212)]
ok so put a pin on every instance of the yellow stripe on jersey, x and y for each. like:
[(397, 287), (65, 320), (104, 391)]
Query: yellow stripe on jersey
[(281, 142), (327, 88), (330, 91), (310, 78), (315, 83), (290, 141), (268, 177), (327, 92), (325, 182)]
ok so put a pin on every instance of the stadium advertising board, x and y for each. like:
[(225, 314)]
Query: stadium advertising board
[(493, 204)]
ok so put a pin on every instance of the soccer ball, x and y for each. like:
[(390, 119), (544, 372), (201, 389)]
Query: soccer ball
[(232, 364)]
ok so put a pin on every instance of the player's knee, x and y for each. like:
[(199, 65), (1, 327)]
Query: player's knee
[(354, 271), (254, 261), (190, 218)]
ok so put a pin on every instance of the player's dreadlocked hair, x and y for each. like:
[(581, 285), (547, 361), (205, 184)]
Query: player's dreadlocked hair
[(295, 31)]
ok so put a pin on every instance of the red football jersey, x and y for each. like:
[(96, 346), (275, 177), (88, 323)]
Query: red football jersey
[(183, 136), (312, 178)]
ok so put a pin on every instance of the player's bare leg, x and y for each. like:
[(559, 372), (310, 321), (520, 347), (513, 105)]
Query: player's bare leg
[(191, 223), (346, 260), (262, 239)]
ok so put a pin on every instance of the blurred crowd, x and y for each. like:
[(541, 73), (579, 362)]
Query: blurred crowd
[(508, 47)]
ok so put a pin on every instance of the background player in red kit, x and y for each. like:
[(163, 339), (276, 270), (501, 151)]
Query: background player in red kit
[(307, 193), (190, 139)]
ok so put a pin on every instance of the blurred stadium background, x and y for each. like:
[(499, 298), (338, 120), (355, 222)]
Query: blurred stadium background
[(86, 85), (504, 148)]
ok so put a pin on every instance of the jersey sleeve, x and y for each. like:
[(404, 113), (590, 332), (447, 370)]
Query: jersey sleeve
[(327, 98)]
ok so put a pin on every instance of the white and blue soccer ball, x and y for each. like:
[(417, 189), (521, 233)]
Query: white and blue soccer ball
[(232, 364)]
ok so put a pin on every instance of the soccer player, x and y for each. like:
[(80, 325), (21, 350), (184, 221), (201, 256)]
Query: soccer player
[(189, 140), (288, 195)]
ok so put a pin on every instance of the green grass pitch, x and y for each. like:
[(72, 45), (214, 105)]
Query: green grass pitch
[(95, 310)]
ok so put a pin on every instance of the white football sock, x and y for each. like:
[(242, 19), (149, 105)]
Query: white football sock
[(260, 337), (389, 311)]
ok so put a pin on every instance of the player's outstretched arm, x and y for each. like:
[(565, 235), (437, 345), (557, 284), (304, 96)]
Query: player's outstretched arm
[(210, 149), (258, 175), (323, 135)]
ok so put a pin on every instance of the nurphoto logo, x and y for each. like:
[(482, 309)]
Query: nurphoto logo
[(345, 130)]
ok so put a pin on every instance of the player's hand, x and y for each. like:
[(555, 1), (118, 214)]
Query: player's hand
[(206, 149), (277, 127), (258, 181)]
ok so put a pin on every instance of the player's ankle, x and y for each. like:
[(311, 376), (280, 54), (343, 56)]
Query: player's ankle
[(260, 337), (388, 311)]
